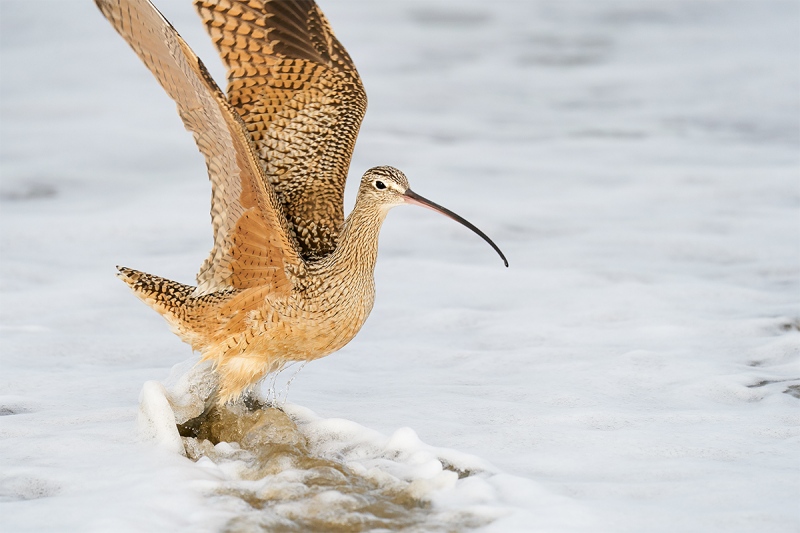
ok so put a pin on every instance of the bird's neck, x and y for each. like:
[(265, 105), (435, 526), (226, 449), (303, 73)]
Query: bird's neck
[(357, 249)]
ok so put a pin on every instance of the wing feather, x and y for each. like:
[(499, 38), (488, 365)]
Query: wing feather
[(252, 244), (302, 100)]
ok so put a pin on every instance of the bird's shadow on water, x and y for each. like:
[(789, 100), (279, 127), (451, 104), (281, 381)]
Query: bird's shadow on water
[(289, 486)]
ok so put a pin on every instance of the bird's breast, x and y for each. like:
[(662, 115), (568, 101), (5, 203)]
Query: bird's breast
[(311, 324)]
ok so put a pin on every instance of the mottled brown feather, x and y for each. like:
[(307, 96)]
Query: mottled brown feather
[(263, 298), (251, 238), (302, 100)]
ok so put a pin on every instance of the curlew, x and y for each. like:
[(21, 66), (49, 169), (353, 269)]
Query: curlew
[(288, 278)]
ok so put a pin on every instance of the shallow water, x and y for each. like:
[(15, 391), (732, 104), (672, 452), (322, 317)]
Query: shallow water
[(288, 485)]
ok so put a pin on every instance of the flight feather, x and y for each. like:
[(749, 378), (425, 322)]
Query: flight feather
[(299, 94), (252, 241)]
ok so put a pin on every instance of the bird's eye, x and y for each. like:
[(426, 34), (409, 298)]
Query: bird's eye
[(380, 185)]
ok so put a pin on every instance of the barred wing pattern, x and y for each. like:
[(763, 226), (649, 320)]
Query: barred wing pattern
[(252, 245), (302, 100)]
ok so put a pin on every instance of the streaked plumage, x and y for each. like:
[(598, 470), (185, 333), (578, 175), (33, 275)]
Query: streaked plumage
[(287, 278)]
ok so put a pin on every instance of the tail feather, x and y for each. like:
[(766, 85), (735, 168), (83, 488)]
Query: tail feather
[(197, 321), (169, 298)]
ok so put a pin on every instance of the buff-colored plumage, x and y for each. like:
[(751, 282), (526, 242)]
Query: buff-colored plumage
[(288, 279)]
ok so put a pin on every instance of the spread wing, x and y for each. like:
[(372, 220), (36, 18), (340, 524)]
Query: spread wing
[(297, 90), (251, 240)]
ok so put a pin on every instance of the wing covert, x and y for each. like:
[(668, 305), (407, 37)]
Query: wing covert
[(302, 100), (251, 240)]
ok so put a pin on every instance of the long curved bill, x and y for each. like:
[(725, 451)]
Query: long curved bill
[(413, 198)]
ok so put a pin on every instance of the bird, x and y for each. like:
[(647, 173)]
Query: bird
[(288, 278)]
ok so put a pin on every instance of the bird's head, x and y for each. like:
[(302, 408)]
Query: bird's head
[(387, 187), (384, 186)]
